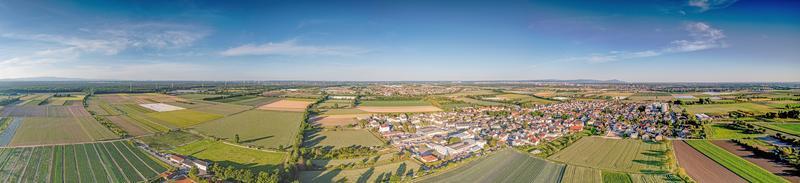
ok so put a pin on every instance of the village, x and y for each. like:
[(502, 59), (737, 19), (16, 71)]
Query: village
[(453, 135)]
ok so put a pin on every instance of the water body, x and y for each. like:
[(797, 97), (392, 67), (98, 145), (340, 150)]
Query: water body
[(6, 135)]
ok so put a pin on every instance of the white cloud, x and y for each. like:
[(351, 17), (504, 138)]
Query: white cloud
[(703, 37), (705, 5), (103, 41), (292, 48)]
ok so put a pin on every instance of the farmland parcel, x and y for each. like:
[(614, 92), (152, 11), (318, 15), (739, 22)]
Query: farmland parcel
[(238, 157), (269, 129), (504, 166), (741, 167), (632, 156), (96, 162)]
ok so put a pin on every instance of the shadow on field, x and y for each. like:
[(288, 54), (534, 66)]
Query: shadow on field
[(649, 162), (256, 139), (365, 176), (313, 138), (251, 166), (655, 153), (653, 172), (327, 176)]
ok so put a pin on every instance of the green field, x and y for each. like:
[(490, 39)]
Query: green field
[(96, 162), (342, 111), (480, 102), (743, 168), (56, 130), (628, 155), (360, 175), (389, 103), (223, 109), (197, 96), (234, 99), (523, 99), (169, 140), (258, 101), (578, 174), (504, 166), (343, 138), (184, 118), (790, 128), (336, 104), (269, 129), (721, 131), (616, 177), (723, 109), (226, 155)]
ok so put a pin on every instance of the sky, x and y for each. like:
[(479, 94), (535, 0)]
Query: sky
[(637, 41)]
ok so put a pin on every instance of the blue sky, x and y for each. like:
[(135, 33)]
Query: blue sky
[(661, 40)]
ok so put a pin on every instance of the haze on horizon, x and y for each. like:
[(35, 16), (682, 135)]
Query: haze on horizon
[(638, 41)]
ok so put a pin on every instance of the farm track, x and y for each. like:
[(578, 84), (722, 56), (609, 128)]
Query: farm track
[(701, 168), (774, 166)]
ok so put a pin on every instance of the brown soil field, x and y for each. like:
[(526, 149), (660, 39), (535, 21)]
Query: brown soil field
[(129, 126), (337, 120), (286, 105), (399, 109), (701, 168), (774, 166)]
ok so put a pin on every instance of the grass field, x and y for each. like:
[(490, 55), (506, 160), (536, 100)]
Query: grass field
[(523, 99), (343, 138), (223, 109), (723, 109), (97, 162), (790, 128), (360, 175), (342, 111), (616, 177), (336, 104), (741, 167), (721, 131), (45, 130), (480, 102), (504, 166), (258, 101), (393, 103), (226, 155), (169, 140), (256, 127), (631, 156), (184, 118)]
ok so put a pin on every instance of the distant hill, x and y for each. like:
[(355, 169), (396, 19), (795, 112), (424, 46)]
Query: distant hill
[(45, 79)]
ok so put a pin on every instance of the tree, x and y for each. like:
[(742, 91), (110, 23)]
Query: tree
[(193, 173), (237, 138), (453, 140)]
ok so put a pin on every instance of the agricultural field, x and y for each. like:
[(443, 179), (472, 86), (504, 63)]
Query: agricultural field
[(399, 109), (628, 155), (523, 99), (65, 101), (184, 118), (290, 105), (504, 166), (336, 104), (480, 102), (578, 174), (258, 101), (700, 167), (768, 163), (329, 112), (198, 96), (650, 96), (790, 128), (743, 168), (342, 138), (337, 120), (46, 130), (723, 109), (169, 140), (616, 177), (230, 155), (336, 162), (263, 128), (722, 131), (393, 103), (118, 161), (223, 109), (360, 175)]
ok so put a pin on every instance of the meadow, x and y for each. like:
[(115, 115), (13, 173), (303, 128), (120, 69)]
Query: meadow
[(343, 138), (722, 131), (741, 167), (118, 161), (616, 177), (229, 155), (520, 98), (504, 166), (360, 175), (628, 155), (184, 118), (169, 140), (480, 102), (334, 104), (263, 128), (578, 174), (723, 109)]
